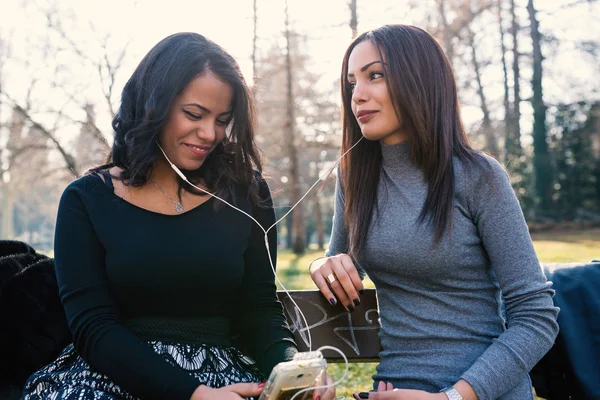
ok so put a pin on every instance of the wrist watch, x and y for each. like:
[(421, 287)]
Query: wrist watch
[(452, 393)]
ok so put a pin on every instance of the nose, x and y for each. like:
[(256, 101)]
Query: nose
[(206, 130), (359, 94)]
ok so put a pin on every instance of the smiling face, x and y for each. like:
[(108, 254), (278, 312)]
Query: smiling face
[(197, 121), (371, 103)]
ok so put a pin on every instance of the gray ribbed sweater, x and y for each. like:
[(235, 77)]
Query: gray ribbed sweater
[(441, 308)]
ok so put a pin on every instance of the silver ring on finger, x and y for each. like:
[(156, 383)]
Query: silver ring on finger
[(331, 278)]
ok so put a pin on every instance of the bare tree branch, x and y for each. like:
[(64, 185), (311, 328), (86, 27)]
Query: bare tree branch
[(353, 18), (111, 70), (577, 3), (486, 127), (16, 152), (68, 158), (103, 66), (56, 27), (90, 121)]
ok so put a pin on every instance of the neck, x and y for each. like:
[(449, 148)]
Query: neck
[(163, 174), (399, 136)]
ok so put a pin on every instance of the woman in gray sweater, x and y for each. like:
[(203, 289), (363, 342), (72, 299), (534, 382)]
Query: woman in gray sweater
[(465, 309)]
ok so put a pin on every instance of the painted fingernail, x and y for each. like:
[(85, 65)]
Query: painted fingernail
[(262, 384), (350, 307), (356, 302), (318, 397), (332, 301)]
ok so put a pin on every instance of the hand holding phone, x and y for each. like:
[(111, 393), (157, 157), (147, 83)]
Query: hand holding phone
[(288, 378)]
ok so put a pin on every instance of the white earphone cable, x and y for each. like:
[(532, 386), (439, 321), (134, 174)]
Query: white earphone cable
[(266, 232), (334, 383)]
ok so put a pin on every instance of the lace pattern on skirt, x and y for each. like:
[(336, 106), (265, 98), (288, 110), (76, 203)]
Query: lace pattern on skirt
[(69, 377)]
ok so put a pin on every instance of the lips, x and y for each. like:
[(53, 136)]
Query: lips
[(365, 115), (199, 151)]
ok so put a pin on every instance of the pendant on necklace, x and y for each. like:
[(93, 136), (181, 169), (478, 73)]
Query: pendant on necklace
[(178, 208)]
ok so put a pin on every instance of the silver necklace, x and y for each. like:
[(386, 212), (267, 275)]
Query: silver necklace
[(178, 206)]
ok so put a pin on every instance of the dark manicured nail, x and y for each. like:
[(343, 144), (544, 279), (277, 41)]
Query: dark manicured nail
[(350, 307), (332, 301), (363, 395), (361, 291), (356, 302)]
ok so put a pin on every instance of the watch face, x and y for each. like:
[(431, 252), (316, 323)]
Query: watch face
[(452, 394)]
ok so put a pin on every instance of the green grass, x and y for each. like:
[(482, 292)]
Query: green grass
[(569, 246), (551, 247)]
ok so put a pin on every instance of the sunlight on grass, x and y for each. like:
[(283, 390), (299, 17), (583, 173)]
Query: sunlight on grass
[(551, 247), (554, 251), (576, 246)]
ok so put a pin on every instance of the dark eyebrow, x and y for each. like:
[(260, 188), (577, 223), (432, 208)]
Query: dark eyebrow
[(206, 110), (363, 69)]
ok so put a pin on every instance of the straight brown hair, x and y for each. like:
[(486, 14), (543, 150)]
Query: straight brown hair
[(422, 87)]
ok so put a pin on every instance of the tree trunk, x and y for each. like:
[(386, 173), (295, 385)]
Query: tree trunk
[(297, 222), (597, 177), (15, 141), (513, 146), (319, 224), (541, 159), (505, 100), (448, 47), (289, 235), (488, 131), (254, 49), (353, 18), (8, 206)]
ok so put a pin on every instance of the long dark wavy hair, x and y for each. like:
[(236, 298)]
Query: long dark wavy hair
[(147, 98), (422, 87)]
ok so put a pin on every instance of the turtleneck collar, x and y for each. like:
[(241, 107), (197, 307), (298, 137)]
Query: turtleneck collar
[(395, 154)]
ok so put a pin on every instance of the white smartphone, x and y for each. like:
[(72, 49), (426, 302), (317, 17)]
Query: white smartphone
[(288, 378)]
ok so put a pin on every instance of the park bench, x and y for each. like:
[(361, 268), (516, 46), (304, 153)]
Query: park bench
[(41, 335), (354, 333), (554, 377)]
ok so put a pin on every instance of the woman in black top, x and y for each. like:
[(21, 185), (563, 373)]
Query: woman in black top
[(157, 278)]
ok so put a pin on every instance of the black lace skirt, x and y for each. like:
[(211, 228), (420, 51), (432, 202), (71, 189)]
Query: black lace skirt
[(69, 377)]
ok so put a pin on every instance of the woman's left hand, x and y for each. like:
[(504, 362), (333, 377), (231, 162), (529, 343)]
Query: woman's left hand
[(325, 393), (385, 391)]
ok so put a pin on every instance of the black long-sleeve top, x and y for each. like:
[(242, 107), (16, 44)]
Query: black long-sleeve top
[(116, 263)]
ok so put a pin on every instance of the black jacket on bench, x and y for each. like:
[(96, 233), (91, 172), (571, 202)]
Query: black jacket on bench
[(571, 369), (33, 324)]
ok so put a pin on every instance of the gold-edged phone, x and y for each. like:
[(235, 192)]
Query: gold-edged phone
[(290, 377)]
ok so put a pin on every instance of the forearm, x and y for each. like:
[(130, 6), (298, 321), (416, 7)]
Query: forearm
[(280, 351), (266, 336)]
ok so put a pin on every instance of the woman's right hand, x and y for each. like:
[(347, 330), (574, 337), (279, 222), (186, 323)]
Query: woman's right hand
[(338, 279), (236, 391)]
